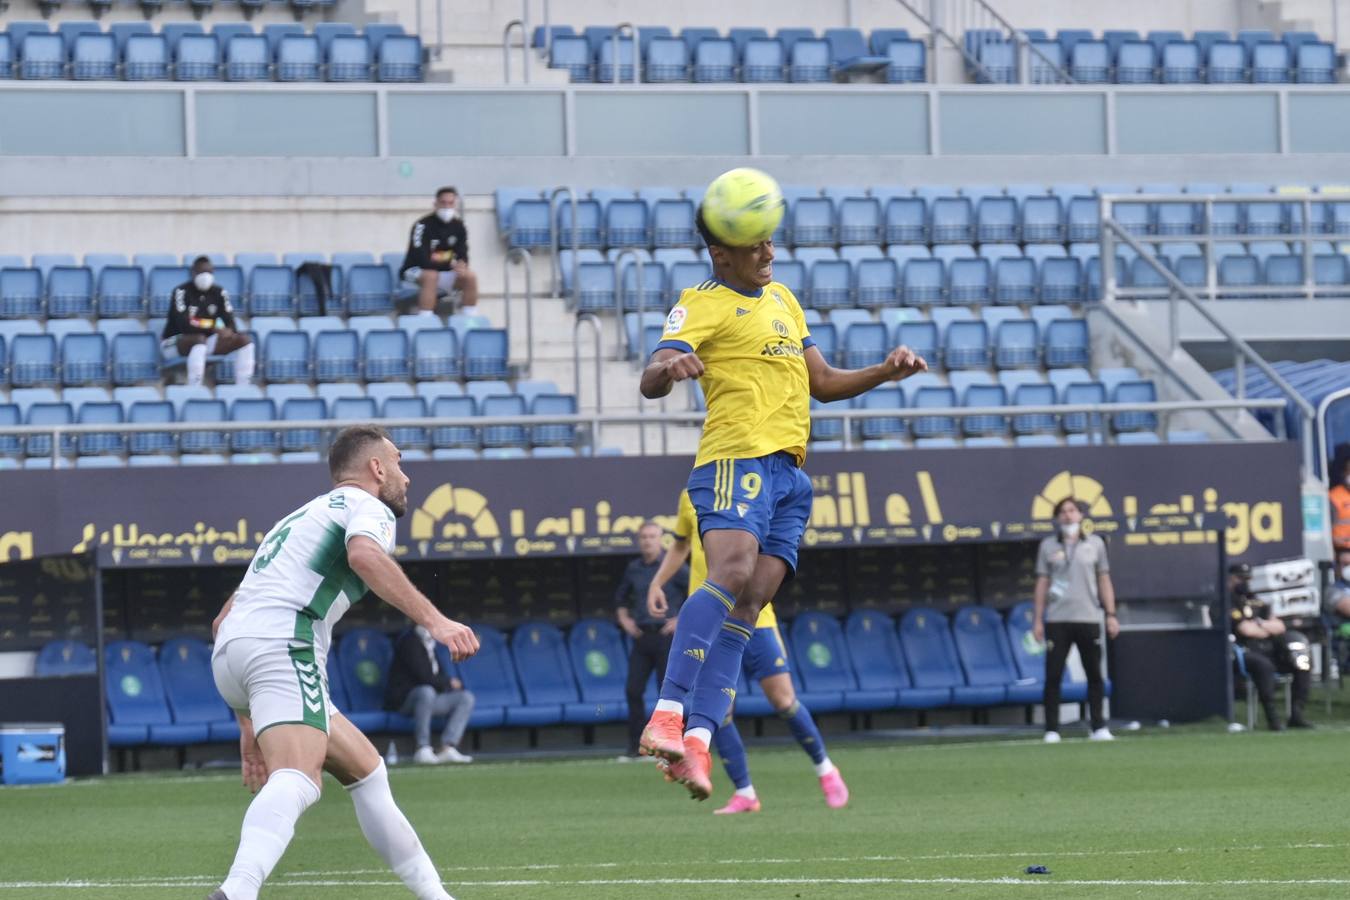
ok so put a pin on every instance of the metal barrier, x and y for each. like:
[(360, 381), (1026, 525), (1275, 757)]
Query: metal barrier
[(554, 237), (439, 45), (1099, 415), (980, 20), (619, 31), (524, 49), (594, 323), (1112, 230), (520, 256), (624, 349)]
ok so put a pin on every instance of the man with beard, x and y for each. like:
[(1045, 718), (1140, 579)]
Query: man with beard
[(270, 664)]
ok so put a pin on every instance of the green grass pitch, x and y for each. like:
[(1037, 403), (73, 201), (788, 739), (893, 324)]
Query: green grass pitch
[(1187, 813)]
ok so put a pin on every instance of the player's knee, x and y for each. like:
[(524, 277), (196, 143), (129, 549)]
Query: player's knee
[(734, 575)]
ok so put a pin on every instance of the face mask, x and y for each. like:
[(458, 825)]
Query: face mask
[(1345, 574), (1069, 530), (445, 215), (204, 280)]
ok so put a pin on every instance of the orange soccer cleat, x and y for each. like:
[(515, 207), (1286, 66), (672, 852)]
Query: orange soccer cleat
[(663, 737), (694, 770)]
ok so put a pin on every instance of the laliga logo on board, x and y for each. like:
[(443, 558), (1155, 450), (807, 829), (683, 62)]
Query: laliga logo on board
[(467, 513), (1086, 490)]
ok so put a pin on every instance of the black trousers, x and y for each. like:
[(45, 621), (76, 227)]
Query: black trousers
[(650, 650), (1059, 637), (1263, 660)]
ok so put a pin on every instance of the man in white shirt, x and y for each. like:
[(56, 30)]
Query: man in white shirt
[(270, 664)]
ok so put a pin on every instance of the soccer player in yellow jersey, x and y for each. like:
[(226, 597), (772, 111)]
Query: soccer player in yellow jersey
[(744, 337), (765, 661)]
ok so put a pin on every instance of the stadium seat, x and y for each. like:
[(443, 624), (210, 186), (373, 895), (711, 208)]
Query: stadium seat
[(70, 292), (544, 674), (247, 58), (202, 410), (667, 60), (926, 640), (84, 360), (982, 647), (1181, 63), (984, 426), (399, 58), (58, 658), (485, 354), (605, 71), (890, 397), (146, 412), (809, 60), (1134, 392), (763, 60), (33, 361), (190, 687), (951, 220), (880, 665), (601, 666), (146, 57), (906, 220), (1316, 63), (138, 711), (1136, 63), (1090, 62), (262, 440), (965, 345), (93, 56), (906, 62), (1270, 63), (286, 356), (1226, 63), (931, 397), (385, 356), (20, 293), (500, 436), (821, 658), (364, 656)]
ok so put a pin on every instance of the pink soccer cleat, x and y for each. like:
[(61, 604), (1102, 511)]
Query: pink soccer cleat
[(738, 804), (836, 792)]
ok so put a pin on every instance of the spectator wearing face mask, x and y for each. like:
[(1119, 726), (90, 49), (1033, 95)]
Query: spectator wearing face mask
[(1340, 498), (438, 255), (1073, 590), (201, 324)]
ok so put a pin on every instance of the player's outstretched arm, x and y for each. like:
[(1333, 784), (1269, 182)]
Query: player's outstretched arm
[(829, 383), (670, 564), (385, 577), (667, 367)]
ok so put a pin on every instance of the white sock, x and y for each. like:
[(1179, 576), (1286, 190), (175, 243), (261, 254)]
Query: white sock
[(426, 312), (388, 831), (824, 767), (196, 364), (268, 827), (243, 364), (747, 792), (673, 706), (702, 735)]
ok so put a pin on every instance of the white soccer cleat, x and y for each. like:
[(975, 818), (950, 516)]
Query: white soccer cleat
[(425, 756), (1102, 734), (1051, 737), (450, 754)]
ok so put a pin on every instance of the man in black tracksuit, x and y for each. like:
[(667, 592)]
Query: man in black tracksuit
[(651, 634), (1268, 647), (201, 323), (438, 254)]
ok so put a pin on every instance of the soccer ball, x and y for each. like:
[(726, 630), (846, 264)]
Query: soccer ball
[(743, 207)]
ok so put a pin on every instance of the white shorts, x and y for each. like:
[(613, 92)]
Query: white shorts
[(273, 682), (169, 347), (445, 281)]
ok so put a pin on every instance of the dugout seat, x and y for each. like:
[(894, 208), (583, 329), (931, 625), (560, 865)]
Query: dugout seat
[(65, 658), (879, 661), (982, 646), (190, 687), (545, 674), (601, 668), (138, 712), (825, 664), (926, 639), (363, 660), (1029, 655), (491, 675)]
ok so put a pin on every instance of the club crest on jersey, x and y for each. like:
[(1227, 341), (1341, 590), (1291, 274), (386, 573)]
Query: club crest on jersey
[(675, 321), (780, 328)]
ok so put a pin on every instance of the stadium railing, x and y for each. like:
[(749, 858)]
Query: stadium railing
[(1098, 413)]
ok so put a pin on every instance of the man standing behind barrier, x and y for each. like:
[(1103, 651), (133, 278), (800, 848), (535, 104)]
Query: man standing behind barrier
[(1073, 588), (651, 632)]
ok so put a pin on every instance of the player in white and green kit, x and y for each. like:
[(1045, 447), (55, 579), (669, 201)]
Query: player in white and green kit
[(270, 664)]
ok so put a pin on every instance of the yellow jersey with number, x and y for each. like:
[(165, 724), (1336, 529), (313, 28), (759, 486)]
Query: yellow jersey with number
[(686, 529), (754, 371)]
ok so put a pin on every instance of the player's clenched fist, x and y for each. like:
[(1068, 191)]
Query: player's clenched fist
[(904, 362), (459, 639), (684, 366)]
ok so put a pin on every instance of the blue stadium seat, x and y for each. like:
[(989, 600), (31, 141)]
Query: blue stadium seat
[(926, 640), (506, 405), (968, 281), (879, 662), (965, 345), (932, 397), (821, 658), (1316, 63), (985, 395), (849, 53), (84, 359), (1226, 63), (70, 292), (813, 222), (369, 289), (377, 33), (998, 63), (435, 354), (197, 58), (672, 223), (138, 711), (808, 61), (347, 56), (545, 676), (889, 397), (1090, 62), (1182, 63), (626, 223), (399, 58), (485, 354), (1134, 392), (830, 285), (1083, 219), (301, 409), (1029, 656), (93, 57), (1016, 345), (145, 57), (951, 220), (202, 410), (604, 67), (763, 60), (385, 356), (120, 291), (247, 58), (1066, 343), (337, 355), (1271, 63), (865, 344), (121, 31), (149, 443), (58, 658), (33, 361), (454, 437), (40, 445), (408, 438), (588, 231), (667, 60), (298, 58), (924, 282), (490, 675), (876, 283), (254, 409), (921, 337), (42, 56), (906, 62), (572, 53), (601, 667), (10, 445), (559, 434), (1061, 280), (286, 356), (190, 688), (1078, 393), (21, 295), (982, 646), (1136, 63), (271, 291), (174, 32), (1034, 423), (364, 656)]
